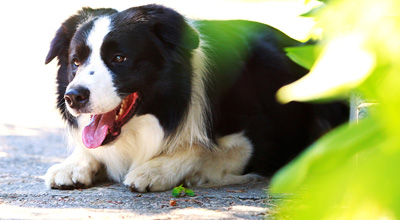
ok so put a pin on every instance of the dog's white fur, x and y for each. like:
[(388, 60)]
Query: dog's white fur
[(104, 97), (141, 157)]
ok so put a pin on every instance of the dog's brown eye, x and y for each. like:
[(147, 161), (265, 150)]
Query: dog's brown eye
[(119, 59), (76, 62)]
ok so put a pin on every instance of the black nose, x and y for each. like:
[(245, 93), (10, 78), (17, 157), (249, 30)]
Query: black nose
[(77, 97)]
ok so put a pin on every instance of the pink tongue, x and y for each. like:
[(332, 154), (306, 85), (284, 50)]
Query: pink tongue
[(95, 132)]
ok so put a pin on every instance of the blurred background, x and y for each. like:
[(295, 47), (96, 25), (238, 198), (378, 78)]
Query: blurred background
[(27, 86)]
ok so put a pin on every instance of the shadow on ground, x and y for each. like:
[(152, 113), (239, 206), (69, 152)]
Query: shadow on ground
[(26, 154)]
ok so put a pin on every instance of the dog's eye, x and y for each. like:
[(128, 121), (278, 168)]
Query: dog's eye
[(76, 62), (119, 59)]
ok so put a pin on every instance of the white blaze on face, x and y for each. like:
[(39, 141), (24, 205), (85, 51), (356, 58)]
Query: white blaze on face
[(95, 75)]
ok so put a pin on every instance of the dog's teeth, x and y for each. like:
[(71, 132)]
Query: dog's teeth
[(116, 117), (122, 109)]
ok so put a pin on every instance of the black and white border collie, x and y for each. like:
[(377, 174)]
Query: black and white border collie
[(155, 100)]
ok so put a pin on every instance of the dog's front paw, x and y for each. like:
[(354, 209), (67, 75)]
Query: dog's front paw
[(150, 177), (66, 176)]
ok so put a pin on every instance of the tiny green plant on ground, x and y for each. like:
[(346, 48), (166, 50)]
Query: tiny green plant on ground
[(181, 191)]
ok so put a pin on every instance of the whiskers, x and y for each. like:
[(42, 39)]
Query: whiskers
[(64, 111)]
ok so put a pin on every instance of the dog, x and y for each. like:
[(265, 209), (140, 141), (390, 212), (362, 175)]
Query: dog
[(152, 99)]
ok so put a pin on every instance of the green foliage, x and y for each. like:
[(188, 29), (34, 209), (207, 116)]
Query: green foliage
[(305, 56), (352, 172), (181, 191), (324, 155), (313, 12)]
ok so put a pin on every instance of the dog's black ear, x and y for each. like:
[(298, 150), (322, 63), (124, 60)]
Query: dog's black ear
[(60, 44), (171, 27)]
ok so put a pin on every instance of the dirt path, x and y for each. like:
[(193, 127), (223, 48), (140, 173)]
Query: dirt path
[(26, 154)]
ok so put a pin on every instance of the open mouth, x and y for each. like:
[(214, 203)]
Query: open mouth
[(105, 128)]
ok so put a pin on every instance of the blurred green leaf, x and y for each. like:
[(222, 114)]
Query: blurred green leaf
[(307, 1), (343, 65), (352, 172), (340, 145), (305, 56), (314, 12)]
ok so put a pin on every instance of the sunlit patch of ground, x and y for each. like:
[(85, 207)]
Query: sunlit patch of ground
[(9, 211)]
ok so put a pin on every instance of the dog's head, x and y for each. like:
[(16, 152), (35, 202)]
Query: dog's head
[(114, 65)]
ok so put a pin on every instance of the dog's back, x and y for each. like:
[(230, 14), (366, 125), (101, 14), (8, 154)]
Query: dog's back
[(247, 67)]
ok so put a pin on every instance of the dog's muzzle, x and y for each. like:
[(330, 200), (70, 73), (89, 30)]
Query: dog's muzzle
[(77, 98)]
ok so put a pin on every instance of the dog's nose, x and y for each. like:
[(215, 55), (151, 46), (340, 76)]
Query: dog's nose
[(77, 97)]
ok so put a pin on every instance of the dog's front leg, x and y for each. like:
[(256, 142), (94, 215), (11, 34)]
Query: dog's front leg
[(77, 171), (163, 172)]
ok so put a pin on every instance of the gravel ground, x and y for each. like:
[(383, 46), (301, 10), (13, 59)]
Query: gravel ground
[(26, 154)]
